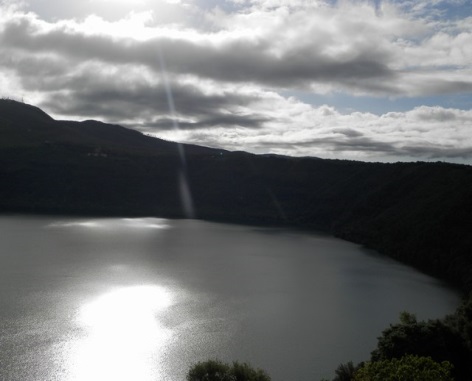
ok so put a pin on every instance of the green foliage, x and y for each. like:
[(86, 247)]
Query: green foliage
[(211, 370), (244, 372), (407, 368), (215, 370), (461, 322), (434, 338), (345, 372), (407, 318)]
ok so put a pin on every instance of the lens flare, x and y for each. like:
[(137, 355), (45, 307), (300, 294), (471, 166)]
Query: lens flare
[(184, 187)]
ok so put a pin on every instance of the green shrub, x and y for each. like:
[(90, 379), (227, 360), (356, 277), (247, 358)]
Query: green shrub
[(345, 372), (407, 368), (434, 338), (215, 370)]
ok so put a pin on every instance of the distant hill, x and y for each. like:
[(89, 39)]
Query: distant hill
[(419, 213), (23, 125)]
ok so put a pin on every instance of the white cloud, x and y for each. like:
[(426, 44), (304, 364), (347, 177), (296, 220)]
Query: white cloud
[(349, 48), (227, 71), (295, 128)]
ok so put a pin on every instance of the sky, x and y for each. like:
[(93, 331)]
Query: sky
[(383, 80)]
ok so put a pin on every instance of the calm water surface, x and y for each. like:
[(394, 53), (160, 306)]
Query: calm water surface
[(143, 299)]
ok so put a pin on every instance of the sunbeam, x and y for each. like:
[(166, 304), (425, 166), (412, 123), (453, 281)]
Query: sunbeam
[(184, 187)]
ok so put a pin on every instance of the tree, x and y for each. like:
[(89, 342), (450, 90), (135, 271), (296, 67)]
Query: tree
[(215, 370), (407, 318), (407, 368), (432, 338), (461, 322), (345, 372)]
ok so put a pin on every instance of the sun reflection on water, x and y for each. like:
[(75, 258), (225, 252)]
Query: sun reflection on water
[(113, 223), (124, 338)]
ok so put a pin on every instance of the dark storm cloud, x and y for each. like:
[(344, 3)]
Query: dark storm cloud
[(250, 63), (243, 60), (95, 96)]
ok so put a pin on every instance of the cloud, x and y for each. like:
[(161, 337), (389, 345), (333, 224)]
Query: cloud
[(226, 74), (348, 132), (135, 96), (349, 48), (236, 59), (437, 114), (424, 133), (217, 120)]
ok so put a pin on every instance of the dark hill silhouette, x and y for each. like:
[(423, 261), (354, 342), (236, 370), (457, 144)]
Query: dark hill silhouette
[(419, 213), (26, 125)]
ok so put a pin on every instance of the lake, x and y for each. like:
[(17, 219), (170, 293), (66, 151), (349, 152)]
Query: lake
[(142, 299)]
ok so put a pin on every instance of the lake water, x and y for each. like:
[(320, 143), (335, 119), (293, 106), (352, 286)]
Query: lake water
[(143, 299)]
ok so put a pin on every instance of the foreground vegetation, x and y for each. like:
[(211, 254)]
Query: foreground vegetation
[(215, 370), (410, 345), (411, 350), (405, 368)]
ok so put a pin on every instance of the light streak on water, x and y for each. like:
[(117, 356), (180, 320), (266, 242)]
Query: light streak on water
[(184, 188)]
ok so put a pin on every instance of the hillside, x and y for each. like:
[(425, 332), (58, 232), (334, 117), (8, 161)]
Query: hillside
[(419, 213)]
